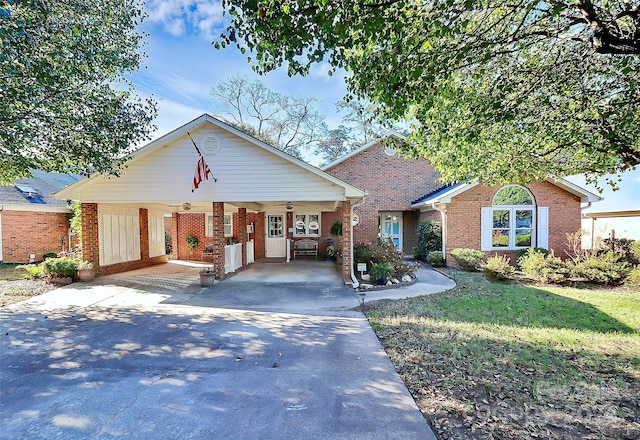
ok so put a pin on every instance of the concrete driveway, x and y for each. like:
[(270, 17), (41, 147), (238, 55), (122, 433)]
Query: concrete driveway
[(147, 355)]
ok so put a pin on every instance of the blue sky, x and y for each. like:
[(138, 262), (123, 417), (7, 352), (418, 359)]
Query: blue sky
[(182, 66)]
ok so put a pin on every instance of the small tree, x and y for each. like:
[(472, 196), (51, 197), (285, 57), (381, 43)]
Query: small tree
[(429, 237)]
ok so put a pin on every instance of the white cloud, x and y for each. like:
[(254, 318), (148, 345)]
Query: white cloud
[(179, 17)]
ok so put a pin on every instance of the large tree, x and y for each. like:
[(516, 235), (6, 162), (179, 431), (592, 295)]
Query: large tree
[(287, 122), (66, 103), (495, 89)]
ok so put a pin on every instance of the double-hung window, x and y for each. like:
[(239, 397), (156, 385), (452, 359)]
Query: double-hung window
[(306, 224), (228, 225)]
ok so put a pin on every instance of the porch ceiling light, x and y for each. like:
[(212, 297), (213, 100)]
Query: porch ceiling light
[(186, 206)]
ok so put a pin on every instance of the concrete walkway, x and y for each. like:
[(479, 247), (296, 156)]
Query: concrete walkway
[(151, 354)]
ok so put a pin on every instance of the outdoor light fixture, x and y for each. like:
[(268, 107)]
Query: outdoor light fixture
[(361, 296), (186, 206)]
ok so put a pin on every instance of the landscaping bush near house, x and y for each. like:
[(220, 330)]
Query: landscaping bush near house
[(435, 258), (544, 268), (602, 268), (635, 250), (49, 255), (498, 268), (469, 260), (382, 252), (33, 270), (59, 267), (381, 272), (429, 238), (633, 278), (622, 246), (521, 252)]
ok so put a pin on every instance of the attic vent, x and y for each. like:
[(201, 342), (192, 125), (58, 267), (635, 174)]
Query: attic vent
[(30, 194), (27, 190), (211, 144)]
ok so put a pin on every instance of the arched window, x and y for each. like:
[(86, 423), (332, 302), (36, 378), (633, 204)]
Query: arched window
[(513, 218)]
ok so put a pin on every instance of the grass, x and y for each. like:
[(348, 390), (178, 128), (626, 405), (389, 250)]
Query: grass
[(493, 360)]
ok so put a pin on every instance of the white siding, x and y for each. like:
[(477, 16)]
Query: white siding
[(118, 234), (156, 233), (245, 173)]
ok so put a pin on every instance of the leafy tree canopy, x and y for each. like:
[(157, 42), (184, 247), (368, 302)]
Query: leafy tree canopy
[(497, 90), (66, 104)]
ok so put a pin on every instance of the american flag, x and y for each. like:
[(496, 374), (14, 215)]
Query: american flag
[(202, 169)]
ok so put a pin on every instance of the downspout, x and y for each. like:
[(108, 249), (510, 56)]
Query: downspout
[(443, 216), (356, 283), (593, 225)]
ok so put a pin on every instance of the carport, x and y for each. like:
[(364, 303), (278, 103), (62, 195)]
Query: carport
[(222, 196)]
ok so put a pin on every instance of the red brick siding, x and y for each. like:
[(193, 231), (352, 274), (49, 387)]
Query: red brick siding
[(25, 233), (392, 184), (190, 224), (464, 216)]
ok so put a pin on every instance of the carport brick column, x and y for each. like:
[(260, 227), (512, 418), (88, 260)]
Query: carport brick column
[(346, 241), (218, 238), (90, 240), (242, 233)]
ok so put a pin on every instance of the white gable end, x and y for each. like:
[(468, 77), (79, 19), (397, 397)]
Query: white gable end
[(245, 172)]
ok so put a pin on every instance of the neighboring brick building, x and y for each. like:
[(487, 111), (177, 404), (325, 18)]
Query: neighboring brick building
[(32, 222), (501, 219)]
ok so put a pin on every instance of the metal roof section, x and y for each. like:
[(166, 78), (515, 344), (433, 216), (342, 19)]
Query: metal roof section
[(445, 194)]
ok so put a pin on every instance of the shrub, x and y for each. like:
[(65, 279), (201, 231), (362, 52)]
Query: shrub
[(468, 259), (622, 246), (435, 258), (521, 252), (381, 271), (362, 252), (192, 242), (635, 250), (543, 268), (49, 255), (498, 268), (403, 268), (59, 267), (34, 271), (603, 268), (633, 278), (429, 237)]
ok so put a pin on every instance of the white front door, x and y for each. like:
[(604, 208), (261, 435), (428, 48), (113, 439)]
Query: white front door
[(275, 241), (391, 228)]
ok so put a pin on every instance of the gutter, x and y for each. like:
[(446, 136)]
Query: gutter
[(356, 283)]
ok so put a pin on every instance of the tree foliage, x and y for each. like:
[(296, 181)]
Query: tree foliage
[(66, 104), (497, 90)]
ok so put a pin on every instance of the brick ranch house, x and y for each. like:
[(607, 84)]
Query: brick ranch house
[(402, 192), (257, 204), (32, 222)]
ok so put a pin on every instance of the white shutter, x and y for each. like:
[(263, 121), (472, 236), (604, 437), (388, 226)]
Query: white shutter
[(118, 234), (0, 238), (486, 222), (543, 227)]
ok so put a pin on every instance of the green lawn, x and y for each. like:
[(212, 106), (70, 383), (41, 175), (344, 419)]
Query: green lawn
[(8, 272), (513, 361)]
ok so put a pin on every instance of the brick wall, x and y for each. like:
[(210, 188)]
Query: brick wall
[(392, 183), (190, 224), (25, 233), (464, 217)]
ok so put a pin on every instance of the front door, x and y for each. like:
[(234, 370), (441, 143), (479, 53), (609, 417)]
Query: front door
[(275, 242), (391, 228)]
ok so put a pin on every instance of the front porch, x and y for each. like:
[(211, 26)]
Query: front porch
[(260, 202)]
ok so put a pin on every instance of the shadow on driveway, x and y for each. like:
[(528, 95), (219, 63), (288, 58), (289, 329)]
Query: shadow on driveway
[(109, 361)]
